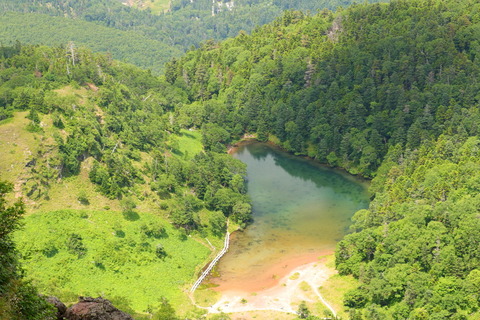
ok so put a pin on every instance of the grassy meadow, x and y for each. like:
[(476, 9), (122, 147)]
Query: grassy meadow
[(157, 6), (105, 253)]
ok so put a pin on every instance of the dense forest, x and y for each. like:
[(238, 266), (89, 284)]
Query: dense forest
[(124, 45), (127, 32), (386, 91), (344, 95)]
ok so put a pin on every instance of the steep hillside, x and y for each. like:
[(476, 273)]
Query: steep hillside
[(147, 39), (94, 150), (342, 88), (128, 46)]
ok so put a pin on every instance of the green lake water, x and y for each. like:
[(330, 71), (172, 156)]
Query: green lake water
[(300, 211)]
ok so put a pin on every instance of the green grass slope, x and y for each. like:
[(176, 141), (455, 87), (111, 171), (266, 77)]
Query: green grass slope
[(120, 260), (92, 147), (116, 257)]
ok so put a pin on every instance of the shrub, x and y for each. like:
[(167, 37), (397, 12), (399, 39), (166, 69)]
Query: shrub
[(75, 245)]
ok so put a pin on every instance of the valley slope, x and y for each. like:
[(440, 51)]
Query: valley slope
[(93, 148), (139, 36), (386, 91)]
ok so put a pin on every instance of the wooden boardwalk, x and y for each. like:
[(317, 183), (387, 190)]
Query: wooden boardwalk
[(212, 264)]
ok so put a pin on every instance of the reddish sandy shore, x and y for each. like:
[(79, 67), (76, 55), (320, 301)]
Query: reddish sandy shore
[(284, 296), (271, 275)]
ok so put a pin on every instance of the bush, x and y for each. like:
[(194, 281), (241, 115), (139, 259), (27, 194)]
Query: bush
[(160, 251), (153, 230), (303, 311), (127, 205), (83, 198), (75, 245)]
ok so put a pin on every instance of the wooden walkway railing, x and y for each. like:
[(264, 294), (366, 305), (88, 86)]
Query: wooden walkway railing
[(212, 264)]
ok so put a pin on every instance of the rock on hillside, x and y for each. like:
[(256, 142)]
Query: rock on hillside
[(59, 305), (92, 309)]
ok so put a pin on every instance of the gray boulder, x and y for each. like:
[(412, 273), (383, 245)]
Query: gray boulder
[(59, 305)]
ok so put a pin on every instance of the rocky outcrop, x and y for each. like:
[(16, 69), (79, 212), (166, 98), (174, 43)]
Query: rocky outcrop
[(88, 308), (95, 309), (59, 305)]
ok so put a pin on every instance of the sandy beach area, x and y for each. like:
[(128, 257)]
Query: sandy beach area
[(297, 281), (271, 275)]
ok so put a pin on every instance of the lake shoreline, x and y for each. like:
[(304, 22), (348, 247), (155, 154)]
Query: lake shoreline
[(289, 291), (301, 209), (251, 138), (272, 276)]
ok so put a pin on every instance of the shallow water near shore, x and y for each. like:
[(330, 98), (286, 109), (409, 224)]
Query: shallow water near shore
[(300, 211)]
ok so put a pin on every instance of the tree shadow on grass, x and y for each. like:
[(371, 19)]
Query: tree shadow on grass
[(131, 215), (178, 152), (188, 135)]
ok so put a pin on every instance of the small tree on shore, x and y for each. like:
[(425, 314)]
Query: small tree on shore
[(303, 312)]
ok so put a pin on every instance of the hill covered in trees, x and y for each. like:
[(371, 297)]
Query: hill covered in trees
[(94, 149), (342, 88), (139, 36), (127, 46), (388, 91)]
